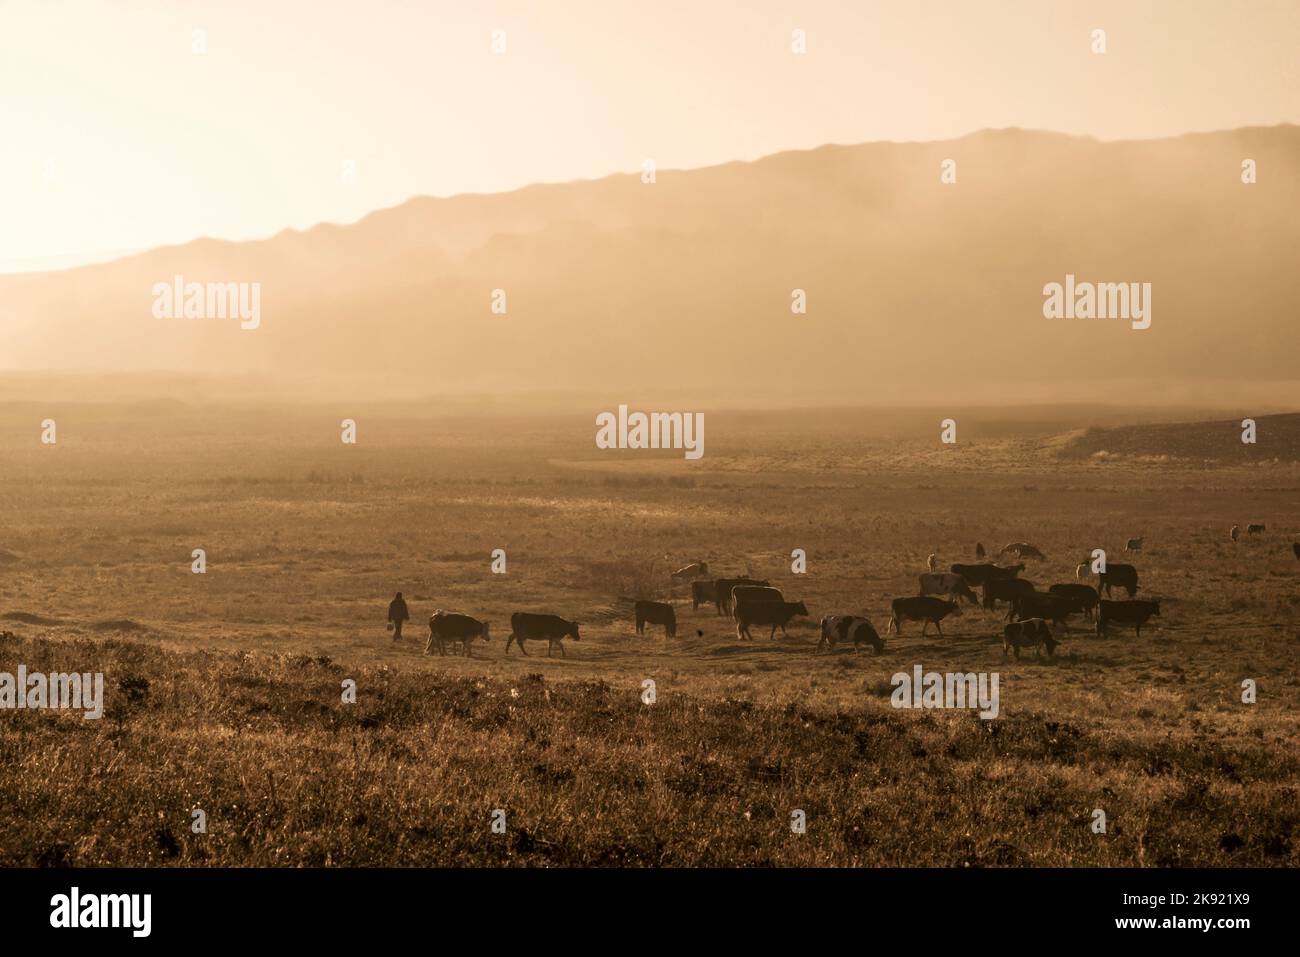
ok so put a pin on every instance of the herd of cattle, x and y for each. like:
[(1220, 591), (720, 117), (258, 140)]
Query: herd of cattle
[(1032, 614)]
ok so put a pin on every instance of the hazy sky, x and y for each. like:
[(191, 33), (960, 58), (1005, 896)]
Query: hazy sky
[(116, 136)]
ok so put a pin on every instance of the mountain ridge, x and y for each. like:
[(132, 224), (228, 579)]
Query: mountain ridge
[(689, 280)]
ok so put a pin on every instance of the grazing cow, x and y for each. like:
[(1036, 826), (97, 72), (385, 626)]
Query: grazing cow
[(657, 613), (445, 626), (1053, 608), (1236, 532), (1028, 633), (932, 562), (1118, 576), (722, 591), (1024, 550), (1005, 589), (774, 613), (954, 586), (525, 625), (921, 608), (1085, 595), (693, 570), (702, 592), (1133, 545), (979, 551), (1135, 611), (977, 575), (849, 628), (1255, 529)]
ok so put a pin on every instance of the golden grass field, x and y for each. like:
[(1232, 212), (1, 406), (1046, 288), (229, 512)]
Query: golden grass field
[(307, 540)]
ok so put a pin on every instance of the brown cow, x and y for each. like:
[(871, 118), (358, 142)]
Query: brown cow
[(1029, 633), (656, 613), (921, 608), (774, 613), (445, 626)]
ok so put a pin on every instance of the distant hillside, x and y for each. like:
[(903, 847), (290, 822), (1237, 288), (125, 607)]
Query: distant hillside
[(915, 289), (1277, 437)]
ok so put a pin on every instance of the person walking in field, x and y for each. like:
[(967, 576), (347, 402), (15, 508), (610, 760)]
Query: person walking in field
[(397, 614)]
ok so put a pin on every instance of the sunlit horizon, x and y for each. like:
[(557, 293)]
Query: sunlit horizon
[(120, 137)]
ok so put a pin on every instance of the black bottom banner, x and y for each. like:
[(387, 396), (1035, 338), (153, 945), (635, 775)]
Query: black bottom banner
[(334, 906)]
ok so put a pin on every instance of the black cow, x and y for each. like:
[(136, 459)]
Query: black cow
[(774, 613), (1005, 589), (703, 592), (1118, 576), (979, 550), (1255, 529), (924, 608), (657, 613), (1296, 548), (1053, 608), (1029, 633), (977, 575), (849, 628), (1125, 611), (1085, 595), (753, 593), (722, 591), (445, 626), (525, 625)]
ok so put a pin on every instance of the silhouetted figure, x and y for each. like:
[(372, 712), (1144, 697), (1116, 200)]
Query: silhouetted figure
[(397, 614), (979, 550)]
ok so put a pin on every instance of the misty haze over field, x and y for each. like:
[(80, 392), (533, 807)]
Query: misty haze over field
[(916, 291)]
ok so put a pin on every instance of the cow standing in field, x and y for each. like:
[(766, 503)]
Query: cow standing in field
[(1136, 612), (837, 628), (953, 586), (1133, 545), (702, 592), (1118, 576), (1082, 571), (1236, 532), (932, 562), (445, 626), (1256, 529), (977, 575), (1028, 633), (1054, 608), (1005, 589), (693, 570), (979, 552), (1296, 548), (1084, 595), (774, 613), (526, 626), (1024, 550), (921, 608), (722, 591), (656, 613), (754, 594)]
